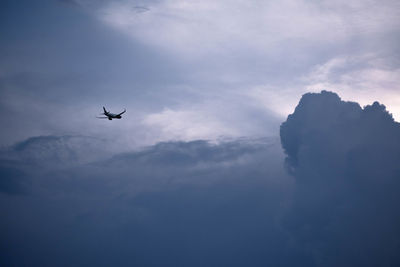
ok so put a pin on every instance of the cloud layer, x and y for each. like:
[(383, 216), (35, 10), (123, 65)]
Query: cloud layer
[(175, 203), (72, 201)]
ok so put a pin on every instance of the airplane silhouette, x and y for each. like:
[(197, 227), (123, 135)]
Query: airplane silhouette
[(110, 115)]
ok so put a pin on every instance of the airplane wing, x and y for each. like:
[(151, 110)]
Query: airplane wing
[(122, 112), (102, 117)]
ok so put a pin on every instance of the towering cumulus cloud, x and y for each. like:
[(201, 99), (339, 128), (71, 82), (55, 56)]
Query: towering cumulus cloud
[(346, 162)]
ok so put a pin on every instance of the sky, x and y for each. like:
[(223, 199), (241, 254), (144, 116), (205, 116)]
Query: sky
[(257, 133), (188, 70)]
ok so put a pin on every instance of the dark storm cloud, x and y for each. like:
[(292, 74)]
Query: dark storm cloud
[(22, 162), (13, 181), (60, 150), (346, 161), (175, 203), (71, 201)]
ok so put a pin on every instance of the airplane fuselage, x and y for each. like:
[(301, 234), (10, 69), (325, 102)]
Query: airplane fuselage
[(110, 115), (113, 116)]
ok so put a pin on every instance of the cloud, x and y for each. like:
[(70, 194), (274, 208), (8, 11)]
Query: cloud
[(197, 28), (13, 181), (345, 160), (187, 125), (176, 200), (360, 77), (58, 151), (185, 71), (70, 2), (177, 57), (233, 115), (230, 200)]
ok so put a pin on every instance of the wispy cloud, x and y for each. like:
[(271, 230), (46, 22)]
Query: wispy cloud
[(197, 28), (359, 78)]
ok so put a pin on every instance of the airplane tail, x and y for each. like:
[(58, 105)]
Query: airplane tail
[(105, 111)]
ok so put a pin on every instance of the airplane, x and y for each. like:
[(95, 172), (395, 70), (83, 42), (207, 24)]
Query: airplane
[(110, 115)]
